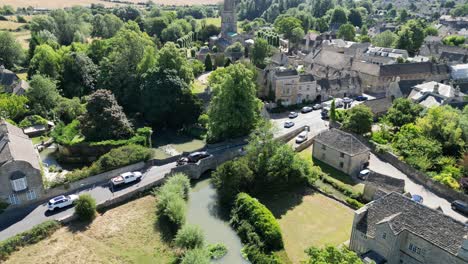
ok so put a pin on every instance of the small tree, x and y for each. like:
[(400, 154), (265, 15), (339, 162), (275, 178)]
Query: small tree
[(189, 237), (208, 63), (196, 256), (85, 207), (333, 111), (359, 120)]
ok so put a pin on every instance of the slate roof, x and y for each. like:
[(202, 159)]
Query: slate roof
[(306, 78), (7, 77), (403, 214), (385, 182), (379, 106), (341, 141), (286, 73), (15, 145)]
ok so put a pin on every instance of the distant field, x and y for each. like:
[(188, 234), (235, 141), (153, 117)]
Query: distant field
[(10, 25), (52, 4)]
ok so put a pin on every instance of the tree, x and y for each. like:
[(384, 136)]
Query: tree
[(68, 110), (208, 63), (330, 255), (431, 31), (11, 52), (460, 10), (297, 35), (46, 61), (321, 7), (347, 32), (43, 95), (154, 26), (411, 36), (236, 91), (12, 106), (189, 237), (285, 25), (338, 16), (359, 120), (106, 26), (403, 16), (403, 111), (454, 40), (405, 39), (385, 39), (259, 52), (167, 101), (171, 58), (333, 111), (196, 256), (85, 207), (230, 178), (79, 76), (104, 118), (355, 17)]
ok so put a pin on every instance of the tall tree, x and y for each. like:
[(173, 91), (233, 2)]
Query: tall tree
[(46, 61), (172, 58), (403, 111), (347, 32), (106, 26), (359, 120), (11, 52), (339, 16), (259, 51), (43, 95), (104, 118), (355, 17), (208, 63), (385, 39), (79, 76), (237, 90)]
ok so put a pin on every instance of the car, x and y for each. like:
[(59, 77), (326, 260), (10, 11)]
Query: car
[(126, 178), (306, 109), (288, 124), (460, 206), (293, 115), (317, 106), (193, 157), (347, 100), (301, 137), (417, 198), (61, 201), (324, 113), (361, 98), (363, 174), (339, 103)]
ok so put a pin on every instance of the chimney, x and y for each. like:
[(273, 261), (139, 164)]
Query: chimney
[(2, 68), (436, 88), (456, 92)]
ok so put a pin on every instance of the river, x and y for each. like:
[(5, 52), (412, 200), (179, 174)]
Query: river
[(203, 210)]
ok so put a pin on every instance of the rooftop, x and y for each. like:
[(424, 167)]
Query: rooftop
[(385, 182), (341, 141), (403, 214)]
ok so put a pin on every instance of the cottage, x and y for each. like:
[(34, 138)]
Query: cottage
[(378, 185), (431, 94), (291, 88), (379, 106), (20, 171), (341, 150), (11, 83), (396, 230)]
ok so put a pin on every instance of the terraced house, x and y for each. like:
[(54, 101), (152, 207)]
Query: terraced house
[(20, 171), (395, 229)]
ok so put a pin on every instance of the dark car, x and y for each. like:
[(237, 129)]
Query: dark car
[(361, 98), (193, 158), (288, 124), (460, 206)]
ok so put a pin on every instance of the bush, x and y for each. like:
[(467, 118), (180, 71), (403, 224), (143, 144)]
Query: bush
[(85, 207), (36, 234), (255, 255), (250, 210), (217, 251), (354, 203), (196, 256), (189, 237), (67, 134), (32, 121), (341, 187)]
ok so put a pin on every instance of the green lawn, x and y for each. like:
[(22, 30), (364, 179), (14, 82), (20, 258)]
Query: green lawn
[(198, 87), (37, 140), (309, 219)]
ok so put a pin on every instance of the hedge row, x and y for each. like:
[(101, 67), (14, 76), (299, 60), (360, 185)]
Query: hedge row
[(341, 187), (32, 121), (116, 158), (255, 224), (172, 202), (32, 236), (354, 203)]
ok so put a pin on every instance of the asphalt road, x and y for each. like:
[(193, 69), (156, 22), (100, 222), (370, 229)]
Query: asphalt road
[(16, 221), (312, 119)]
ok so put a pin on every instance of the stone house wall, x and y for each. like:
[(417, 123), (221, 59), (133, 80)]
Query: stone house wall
[(350, 165)]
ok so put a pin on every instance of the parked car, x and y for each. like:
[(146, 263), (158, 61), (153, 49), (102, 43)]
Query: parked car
[(347, 100), (339, 103), (361, 98), (317, 106), (460, 206), (363, 174), (301, 137), (324, 113), (293, 115), (193, 158), (417, 198), (306, 109), (288, 124), (61, 201), (126, 178)]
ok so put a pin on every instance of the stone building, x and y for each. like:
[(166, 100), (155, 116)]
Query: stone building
[(378, 185), (454, 22), (396, 230), (291, 88), (431, 94), (341, 150), (11, 83), (20, 171)]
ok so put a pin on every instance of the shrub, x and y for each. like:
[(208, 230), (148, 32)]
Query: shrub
[(36, 234), (189, 237), (196, 256), (217, 251), (32, 120), (85, 207), (67, 134), (255, 255), (354, 203), (250, 210), (341, 187)]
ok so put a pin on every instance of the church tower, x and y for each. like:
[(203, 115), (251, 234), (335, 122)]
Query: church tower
[(229, 19)]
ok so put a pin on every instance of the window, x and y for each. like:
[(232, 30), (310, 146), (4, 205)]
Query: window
[(31, 195), (341, 155), (341, 164), (384, 235), (415, 249), (19, 184), (13, 199), (324, 147)]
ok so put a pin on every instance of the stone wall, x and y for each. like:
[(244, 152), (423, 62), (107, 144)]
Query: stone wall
[(288, 136)]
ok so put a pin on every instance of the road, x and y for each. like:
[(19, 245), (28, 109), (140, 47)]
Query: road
[(312, 119), (430, 199), (16, 221)]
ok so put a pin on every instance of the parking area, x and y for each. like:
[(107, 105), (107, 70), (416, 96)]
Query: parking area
[(312, 119)]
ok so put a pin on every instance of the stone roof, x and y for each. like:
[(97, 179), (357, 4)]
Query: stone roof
[(15, 145), (403, 214), (405, 68), (341, 141), (306, 78), (7, 77), (385, 182), (285, 73), (379, 106), (332, 59), (419, 90)]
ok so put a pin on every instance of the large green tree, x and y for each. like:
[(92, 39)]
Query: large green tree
[(11, 52), (347, 32), (172, 58), (259, 51), (285, 25), (79, 75), (12, 106), (355, 17), (338, 16), (359, 120), (331, 255), (385, 39), (403, 111), (106, 26), (235, 109), (43, 95), (46, 61)]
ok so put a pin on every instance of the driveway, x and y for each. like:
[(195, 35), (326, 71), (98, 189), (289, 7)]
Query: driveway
[(430, 199)]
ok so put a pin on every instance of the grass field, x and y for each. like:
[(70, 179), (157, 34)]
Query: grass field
[(10, 25), (126, 234), (53, 4), (309, 219)]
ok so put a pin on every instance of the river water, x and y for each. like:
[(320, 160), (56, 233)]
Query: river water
[(203, 211)]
